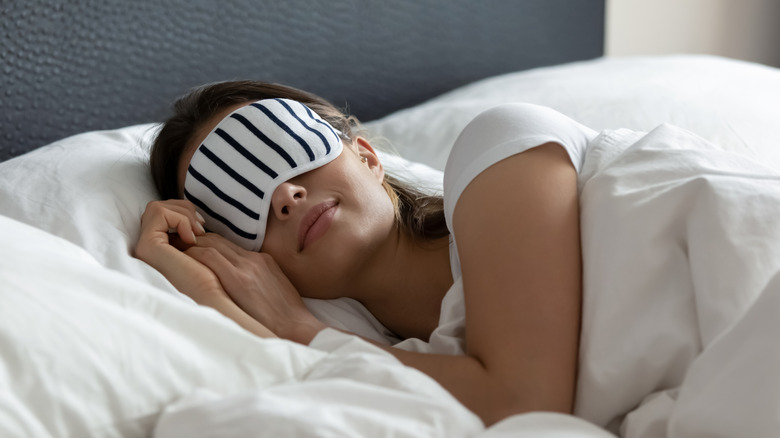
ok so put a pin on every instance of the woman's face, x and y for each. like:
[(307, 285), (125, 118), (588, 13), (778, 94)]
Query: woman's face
[(326, 224)]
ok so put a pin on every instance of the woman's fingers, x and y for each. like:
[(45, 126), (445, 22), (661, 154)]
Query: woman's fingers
[(179, 216), (257, 284), (156, 244), (235, 267), (231, 251), (213, 258), (238, 279), (184, 220)]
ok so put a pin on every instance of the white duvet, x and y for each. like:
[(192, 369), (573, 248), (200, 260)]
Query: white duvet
[(679, 333), (681, 253)]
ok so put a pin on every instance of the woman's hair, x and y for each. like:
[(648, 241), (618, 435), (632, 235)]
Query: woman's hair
[(418, 213)]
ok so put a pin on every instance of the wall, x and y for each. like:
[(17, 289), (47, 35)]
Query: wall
[(741, 29)]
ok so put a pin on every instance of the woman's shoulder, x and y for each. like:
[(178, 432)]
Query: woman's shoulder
[(504, 131), (523, 113), (516, 127), (512, 128)]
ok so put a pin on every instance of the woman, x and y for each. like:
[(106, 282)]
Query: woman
[(504, 240)]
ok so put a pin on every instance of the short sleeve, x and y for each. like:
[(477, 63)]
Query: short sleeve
[(507, 130)]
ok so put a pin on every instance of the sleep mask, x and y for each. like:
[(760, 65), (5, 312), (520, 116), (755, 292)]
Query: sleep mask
[(234, 172)]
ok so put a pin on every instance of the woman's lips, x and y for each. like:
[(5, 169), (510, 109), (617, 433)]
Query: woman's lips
[(315, 223)]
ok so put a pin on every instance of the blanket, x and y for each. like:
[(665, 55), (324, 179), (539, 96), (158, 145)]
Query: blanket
[(681, 253)]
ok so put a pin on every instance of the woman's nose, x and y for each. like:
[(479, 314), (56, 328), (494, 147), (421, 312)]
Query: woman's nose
[(286, 198)]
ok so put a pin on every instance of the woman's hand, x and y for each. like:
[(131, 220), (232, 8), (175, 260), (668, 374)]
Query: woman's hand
[(257, 284), (167, 228), (169, 232)]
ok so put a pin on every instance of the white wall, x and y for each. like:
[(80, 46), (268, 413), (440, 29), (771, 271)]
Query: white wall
[(742, 29)]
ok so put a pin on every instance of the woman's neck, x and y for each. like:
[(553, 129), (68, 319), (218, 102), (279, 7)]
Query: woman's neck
[(405, 285)]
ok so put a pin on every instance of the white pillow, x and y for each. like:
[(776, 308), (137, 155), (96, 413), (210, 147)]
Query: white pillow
[(733, 104), (90, 189)]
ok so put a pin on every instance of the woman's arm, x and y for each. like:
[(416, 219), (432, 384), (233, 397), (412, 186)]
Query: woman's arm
[(517, 227)]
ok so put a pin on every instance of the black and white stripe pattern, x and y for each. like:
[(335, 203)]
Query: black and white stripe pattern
[(236, 169)]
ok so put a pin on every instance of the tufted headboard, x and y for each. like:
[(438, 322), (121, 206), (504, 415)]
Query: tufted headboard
[(80, 65)]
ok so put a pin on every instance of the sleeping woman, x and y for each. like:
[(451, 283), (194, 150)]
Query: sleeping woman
[(485, 284)]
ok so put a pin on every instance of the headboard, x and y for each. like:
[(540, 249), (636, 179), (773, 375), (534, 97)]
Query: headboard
[(81, 65)]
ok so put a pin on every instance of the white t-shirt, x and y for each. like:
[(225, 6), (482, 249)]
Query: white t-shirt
[(495, 134)]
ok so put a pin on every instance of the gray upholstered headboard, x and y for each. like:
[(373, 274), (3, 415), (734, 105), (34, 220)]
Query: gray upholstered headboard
[(80, 65)]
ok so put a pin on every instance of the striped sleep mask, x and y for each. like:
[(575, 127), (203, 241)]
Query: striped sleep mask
[(234, 172)]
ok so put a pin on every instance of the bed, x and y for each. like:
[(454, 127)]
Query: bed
[(96, 343)]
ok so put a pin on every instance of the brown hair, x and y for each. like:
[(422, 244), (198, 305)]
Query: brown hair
[(419, 213)]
